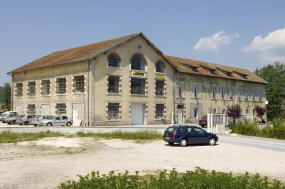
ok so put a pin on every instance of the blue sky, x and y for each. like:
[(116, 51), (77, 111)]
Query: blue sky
[(244, 34)]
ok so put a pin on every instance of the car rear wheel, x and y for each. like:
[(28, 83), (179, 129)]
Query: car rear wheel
[(49, 124), (9, 123), (35, 125), (68, 124), (170, 143), (26, 123), (183, 142), (212, 141)]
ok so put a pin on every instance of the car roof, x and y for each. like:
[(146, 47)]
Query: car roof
[(182, 126)]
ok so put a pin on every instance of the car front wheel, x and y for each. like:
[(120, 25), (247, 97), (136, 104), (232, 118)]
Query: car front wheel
[(212, 141), (183, 142), (49, 124), (68, 124)]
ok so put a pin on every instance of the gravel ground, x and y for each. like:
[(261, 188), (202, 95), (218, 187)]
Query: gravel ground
[(48, 162)]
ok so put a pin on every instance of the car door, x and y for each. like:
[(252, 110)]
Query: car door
[(201, 135), (191, 135), (57, 120)]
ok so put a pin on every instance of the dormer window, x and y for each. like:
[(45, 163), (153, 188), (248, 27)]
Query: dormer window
[(159, 67), (211, 71), (114, 61), (241, 75), (192, 68), (229, 74), (137, 63)]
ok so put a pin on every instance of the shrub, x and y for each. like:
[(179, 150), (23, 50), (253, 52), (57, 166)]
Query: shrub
[(277, 121), (199, 178)]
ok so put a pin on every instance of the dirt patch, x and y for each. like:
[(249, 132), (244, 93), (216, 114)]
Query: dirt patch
[(48, 162)]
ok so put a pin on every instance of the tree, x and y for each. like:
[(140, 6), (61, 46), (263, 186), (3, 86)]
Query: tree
[(6, 96), (275, 89), (259, 111), (234, 112)]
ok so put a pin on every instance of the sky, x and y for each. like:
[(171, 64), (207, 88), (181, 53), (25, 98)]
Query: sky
[(238, 33)]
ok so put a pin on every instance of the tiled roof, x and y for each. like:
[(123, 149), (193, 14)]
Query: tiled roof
[(92, 50), (221, 71), (73, 55)]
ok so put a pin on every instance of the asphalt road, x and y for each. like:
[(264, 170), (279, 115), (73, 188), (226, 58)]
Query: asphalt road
[(248, 141), (253, 142)]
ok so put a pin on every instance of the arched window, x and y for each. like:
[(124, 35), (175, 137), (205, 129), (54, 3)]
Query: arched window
[(137, 63), (113, 61), (159, 67)]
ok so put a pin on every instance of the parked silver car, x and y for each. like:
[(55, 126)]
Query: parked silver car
[(38, 118), (8, 114), (25, 119), (11, 120), (56, 120)]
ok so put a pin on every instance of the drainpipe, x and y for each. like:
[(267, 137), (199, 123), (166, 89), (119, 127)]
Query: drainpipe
[(173, 118), (88, 96)]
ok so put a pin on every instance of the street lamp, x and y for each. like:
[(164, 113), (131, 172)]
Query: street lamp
[(266, 102)]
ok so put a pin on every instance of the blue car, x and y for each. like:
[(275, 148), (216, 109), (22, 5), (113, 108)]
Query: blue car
[(184, 135)]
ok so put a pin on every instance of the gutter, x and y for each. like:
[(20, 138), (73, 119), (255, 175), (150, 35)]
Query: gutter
[(176, 71)]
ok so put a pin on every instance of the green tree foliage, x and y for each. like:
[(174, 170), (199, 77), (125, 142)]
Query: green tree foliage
[(6, 96), (275, 90)]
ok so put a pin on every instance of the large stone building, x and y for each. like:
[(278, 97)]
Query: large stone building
[(128, 80)]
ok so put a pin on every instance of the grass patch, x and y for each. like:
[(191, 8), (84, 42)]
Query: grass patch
[(9, 137), (138, 136), (199, 178)]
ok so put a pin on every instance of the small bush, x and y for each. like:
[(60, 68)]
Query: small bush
[(277, 122), (199, 178)]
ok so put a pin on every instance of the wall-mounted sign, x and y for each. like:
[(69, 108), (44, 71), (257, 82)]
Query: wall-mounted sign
[(138, 74), (160, 76)]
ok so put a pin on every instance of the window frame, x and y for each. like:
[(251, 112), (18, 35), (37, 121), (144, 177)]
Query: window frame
[(59, 88), (45, 87), (77, 84), (141, 83), (142, 67), (19, 93), (115, 111), (34, 109), (162, 66), (119, 65), (159, 111), (159, 88), (115, 84), (58, 109)]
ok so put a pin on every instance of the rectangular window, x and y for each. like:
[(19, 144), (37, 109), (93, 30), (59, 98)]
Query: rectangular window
[(239, 93), (214, 110), (231, 93), (223, 111), (79, 84), (253, 94), (61, 109), (214, 89), (246, 111), (32, 88), (61, 85), (159, 87), (31, 110), (45, 87), (253, 112), (246, 94), (19, 88), (137, 86), (159, 111), (196, 90), (196, 113), (260, 95), (181, 87), (113, 84), (113, 111)]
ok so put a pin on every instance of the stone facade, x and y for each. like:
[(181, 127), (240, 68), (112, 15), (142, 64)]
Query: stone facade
[(99, 91)]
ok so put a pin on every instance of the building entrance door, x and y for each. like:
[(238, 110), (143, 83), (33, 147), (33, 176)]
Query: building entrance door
[(179, 115), (137, 114)]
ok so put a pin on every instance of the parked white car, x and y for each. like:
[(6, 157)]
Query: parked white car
[(38, 118), (56, 120)]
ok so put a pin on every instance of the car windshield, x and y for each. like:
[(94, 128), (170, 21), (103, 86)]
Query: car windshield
[(52, 117), (38, 116)]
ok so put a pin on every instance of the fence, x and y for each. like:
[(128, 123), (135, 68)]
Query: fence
[(222, 119)]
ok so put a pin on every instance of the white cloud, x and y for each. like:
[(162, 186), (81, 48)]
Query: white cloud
[(272, 57), (273, 40), (212, 43)]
